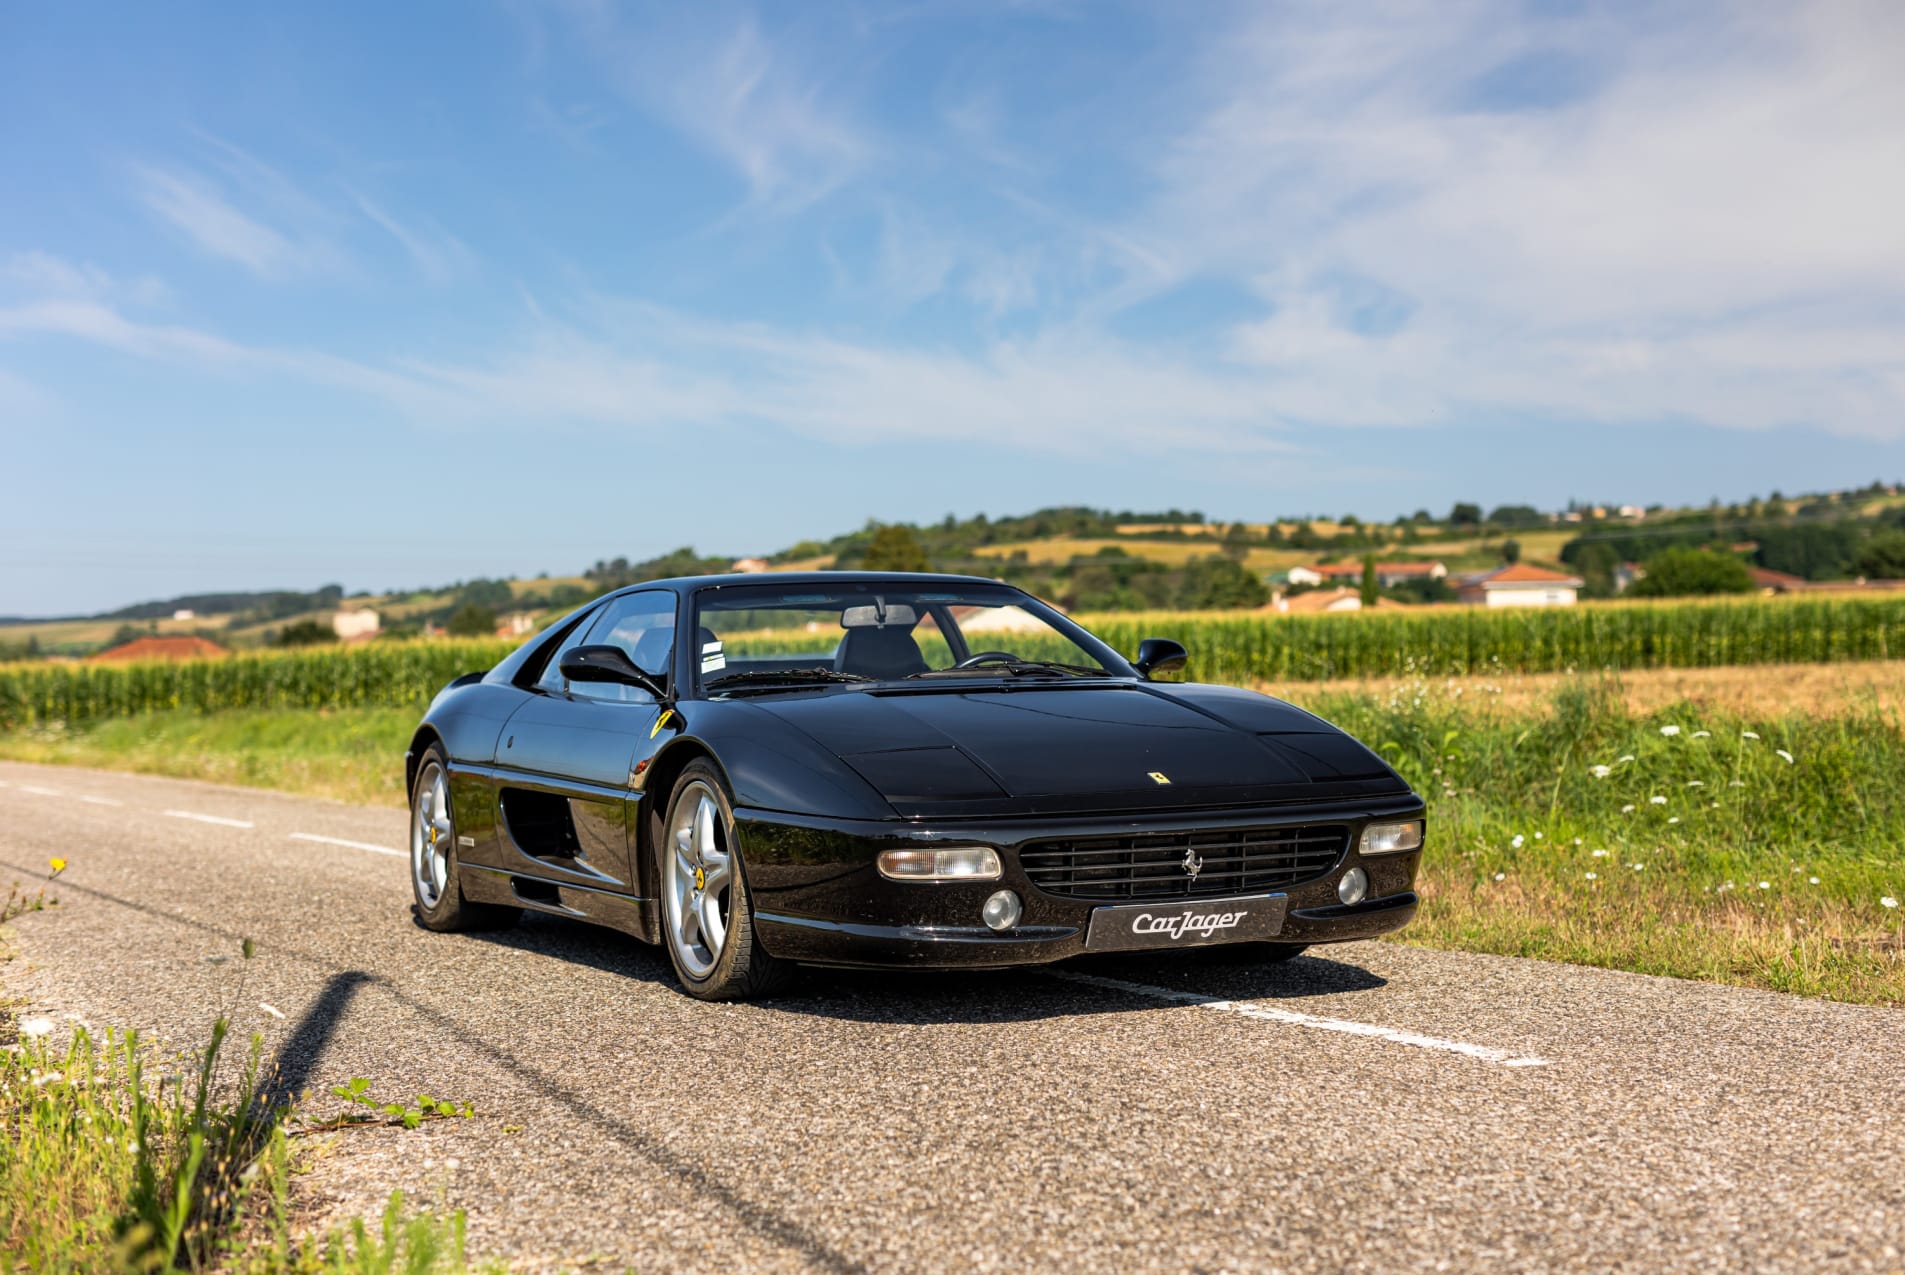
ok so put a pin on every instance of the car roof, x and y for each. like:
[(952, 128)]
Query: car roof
[(688, 584)]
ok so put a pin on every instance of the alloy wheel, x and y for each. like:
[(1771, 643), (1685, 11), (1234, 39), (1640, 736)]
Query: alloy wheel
[(698, 891), (431, 836)]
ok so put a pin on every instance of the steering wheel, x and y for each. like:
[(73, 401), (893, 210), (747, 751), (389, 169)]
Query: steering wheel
[(987, 657)]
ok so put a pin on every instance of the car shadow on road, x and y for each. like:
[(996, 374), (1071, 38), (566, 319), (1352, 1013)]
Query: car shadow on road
[(1012, 995)]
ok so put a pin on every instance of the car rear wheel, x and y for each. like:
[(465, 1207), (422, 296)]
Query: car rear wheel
[(707, 920), (434, 878)]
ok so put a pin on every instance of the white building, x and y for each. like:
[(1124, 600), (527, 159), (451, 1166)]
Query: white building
[(1519, 585), (355, 624)]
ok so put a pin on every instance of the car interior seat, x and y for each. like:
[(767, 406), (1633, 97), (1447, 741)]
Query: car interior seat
[(880, 652)]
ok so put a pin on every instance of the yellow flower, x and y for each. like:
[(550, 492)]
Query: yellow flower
[(59, 865)]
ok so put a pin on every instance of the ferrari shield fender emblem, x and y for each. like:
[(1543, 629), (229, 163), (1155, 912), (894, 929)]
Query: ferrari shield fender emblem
[(1159, 777), (1193, 863), (660, 722)]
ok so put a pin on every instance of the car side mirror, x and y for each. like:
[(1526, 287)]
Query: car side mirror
[(1160, 655), (607, 664)]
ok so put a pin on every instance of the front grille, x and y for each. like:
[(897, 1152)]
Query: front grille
[(1153, 866)]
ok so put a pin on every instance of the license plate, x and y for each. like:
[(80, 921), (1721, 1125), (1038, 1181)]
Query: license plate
[(1141, 925)]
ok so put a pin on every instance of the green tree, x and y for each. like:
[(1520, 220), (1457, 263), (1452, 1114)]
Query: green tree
[(1883, 557), (1217, 583), (895, 548), (306, 633), (1511, 551), (472, 620), (1372, 589), (1465, 514), (1681, 571)]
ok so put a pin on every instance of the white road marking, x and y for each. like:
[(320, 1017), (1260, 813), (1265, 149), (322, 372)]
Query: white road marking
[(101, 801), (40, 792), (1395, 1036), (217, 819), (353, 845)]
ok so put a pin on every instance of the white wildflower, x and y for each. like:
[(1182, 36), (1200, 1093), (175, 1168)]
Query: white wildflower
[(1747, 734), (1766, 885), (35, 1026), (1673, 818), (1783, 753), (1600, 854), (1592, 876), (1501, 876), (1628, 809), (1637, 866), (1812, 880), (1515, 841), (1537, 836), (1701, 734), (1888, 902), (1670, 731), (1601, 772), (272, 1010), (1658, 801), (1695, 783), (1623, 758)]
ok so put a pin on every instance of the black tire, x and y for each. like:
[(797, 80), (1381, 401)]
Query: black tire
[(448, 910), (741, 969)]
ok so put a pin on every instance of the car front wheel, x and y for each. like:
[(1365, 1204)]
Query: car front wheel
[(707, 922)]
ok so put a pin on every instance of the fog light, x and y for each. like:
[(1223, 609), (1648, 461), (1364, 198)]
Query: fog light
[(1354, 887), (972, 863), (1001, 911)]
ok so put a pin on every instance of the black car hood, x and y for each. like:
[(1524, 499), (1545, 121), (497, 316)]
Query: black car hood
[(1056, 747)]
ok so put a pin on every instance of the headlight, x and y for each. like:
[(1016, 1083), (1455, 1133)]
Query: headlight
[(968, 863), (1392, 838)]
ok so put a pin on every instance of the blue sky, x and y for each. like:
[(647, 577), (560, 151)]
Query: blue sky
[(393, 295)]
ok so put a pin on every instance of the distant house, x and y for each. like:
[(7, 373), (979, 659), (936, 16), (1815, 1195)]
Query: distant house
[(1303, 575), (1517, 584), (353, 626), (1625, 574), (516, 624), (1320, 601), (1388, 574), (1776, 581), (749, 566), (161, 648), (185, 613)]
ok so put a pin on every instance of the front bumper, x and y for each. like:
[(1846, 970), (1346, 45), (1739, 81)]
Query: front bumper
[(818, 898)]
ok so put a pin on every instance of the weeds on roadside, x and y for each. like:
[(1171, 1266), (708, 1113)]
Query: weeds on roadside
[(105, 1168), (18, 902)]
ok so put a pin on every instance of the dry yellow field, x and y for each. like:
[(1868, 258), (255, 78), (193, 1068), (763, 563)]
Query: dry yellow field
[(1061, 549), (1762, 690)]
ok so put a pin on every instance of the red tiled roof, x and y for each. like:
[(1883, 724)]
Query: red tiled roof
[(1766, 579), (1340, 569), (163, 648), (1522, 573)]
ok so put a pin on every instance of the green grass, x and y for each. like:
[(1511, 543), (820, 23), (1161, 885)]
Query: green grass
[(1700, 850), (351, 755), (106, 1168)]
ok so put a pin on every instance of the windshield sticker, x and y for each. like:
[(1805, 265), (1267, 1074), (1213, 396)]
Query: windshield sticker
[(711, 648), (712, 660)]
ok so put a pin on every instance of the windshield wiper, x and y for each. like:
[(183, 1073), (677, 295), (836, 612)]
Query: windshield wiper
[(784, 676), (1016, 668)]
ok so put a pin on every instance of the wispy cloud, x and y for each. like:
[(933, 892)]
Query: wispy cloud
[(202, 213), (755, 103), (439, 255)]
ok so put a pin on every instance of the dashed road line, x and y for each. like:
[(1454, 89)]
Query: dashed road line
[(352, 845), (101, 801), (1395, 1036), (217, 819), (37, 791)]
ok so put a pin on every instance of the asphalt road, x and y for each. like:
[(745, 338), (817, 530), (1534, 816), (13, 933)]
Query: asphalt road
[(1370, 1107)]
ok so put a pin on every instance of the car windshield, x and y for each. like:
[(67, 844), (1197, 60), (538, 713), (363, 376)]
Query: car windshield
[(767, 636)]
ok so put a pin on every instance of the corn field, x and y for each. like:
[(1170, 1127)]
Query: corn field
[(387, 675), (1233, 647)]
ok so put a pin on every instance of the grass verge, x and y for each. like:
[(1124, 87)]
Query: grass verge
[(353, 755)]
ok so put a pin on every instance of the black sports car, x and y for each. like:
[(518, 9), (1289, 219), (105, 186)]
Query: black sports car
[(846, 768)]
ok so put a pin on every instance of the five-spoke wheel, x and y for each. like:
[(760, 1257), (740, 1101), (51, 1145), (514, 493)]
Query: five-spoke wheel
[(431, 835), (707, 921)]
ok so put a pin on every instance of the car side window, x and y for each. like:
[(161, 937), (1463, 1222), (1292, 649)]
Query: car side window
[(551, 679), (643, 626)]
